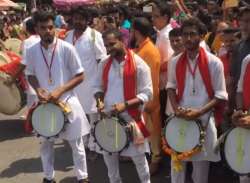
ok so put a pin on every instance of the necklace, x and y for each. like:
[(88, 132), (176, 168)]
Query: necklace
[(192, 72), (49, 65)]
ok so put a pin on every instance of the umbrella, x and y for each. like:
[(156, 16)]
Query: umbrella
[(71, 3), (7, 4)]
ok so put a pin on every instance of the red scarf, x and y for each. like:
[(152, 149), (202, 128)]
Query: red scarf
[(129, 86), (205, 74), (12, 67), (246, 88)]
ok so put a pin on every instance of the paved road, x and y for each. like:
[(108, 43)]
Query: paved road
[(20, 162)]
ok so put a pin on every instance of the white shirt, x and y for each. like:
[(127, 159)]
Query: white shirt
[(200, 98), (245, 63), (66, 65), (166, 51), (115, 92), (26, 44), (90, 49)]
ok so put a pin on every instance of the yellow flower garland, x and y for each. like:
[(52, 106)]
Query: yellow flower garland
[(178, 157)]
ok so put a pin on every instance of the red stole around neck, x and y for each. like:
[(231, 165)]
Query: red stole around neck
[(246, 88), (181, 68), (129, 86)]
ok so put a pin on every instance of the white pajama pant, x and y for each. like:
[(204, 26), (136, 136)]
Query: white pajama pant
[(199, 175), (78, 153), (112, 163), (244, 179)]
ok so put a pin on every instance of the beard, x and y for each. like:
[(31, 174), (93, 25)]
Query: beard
[(48, 39)]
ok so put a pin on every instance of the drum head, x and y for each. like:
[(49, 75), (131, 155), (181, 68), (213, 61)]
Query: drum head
[(182, 135), (110, 135), (11, 98), (237, 150), (48, 120)]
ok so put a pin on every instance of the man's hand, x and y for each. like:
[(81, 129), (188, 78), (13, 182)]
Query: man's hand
[(240, 119), (244, 122), (191, 114), (43, 95), (180, 112), (100, 105), (55, 95), (118, 108)]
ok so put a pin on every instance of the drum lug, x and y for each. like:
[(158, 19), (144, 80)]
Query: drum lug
[(47, 138), (110, 153), (37, 135)]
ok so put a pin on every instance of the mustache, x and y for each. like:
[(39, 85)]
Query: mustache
[(48, 39)]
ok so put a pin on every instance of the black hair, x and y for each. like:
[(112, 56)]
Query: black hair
[(124, 10), (176, 32), (142, 25), (201, 28), (84, 12), (30, 26), (115, 32), (164, 8), (43, 16)]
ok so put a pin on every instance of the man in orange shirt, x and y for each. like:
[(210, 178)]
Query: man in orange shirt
[(150, 54)]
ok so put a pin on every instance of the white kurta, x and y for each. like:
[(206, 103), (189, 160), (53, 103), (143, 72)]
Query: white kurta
[(90, 48), (115, 93), (201, 98), (27, 43), (65, 66), (166, 51)]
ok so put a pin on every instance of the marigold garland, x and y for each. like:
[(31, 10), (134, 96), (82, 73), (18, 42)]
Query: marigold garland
[(178, 157)]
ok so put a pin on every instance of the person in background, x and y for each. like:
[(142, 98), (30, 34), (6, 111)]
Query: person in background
[(176, 43), (90, 47), (141, 29), (161, 16)]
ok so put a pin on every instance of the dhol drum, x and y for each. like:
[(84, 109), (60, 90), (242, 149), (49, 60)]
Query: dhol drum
[(48, 120), (236, 150), (12, 97), (112, 134), (182, 135)]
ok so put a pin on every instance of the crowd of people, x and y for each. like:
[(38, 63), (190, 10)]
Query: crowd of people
[(142, 62)]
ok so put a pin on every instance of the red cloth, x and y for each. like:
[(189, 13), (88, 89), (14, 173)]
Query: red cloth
[(129, 86), (225, 60), (28, 124), (205, 74), (246, 88), (12, 67)]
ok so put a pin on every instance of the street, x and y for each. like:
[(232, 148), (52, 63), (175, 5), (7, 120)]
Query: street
[(20, 162)]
